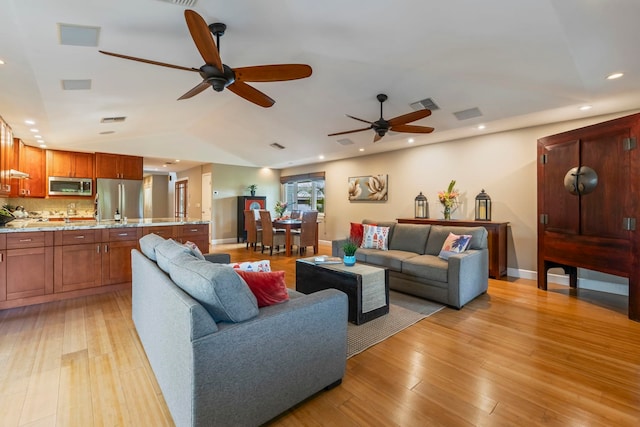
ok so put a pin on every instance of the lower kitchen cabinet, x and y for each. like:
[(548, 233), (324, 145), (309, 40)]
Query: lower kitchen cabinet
[(77, 260), (196, 233), (116, 254)]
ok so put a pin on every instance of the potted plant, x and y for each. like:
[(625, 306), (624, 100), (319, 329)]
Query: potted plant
[(252, 188), (349, 248)]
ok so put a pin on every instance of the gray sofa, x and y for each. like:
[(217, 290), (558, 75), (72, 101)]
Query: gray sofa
[(229, 373), (415, 268)]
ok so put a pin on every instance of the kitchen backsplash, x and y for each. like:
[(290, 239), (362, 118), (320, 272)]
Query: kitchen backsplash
[(53, 208)]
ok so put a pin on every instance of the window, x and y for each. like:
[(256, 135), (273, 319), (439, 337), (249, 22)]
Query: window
[(304, 192)]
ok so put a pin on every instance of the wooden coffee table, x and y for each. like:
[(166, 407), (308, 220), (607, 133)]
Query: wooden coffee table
[(367, 287)]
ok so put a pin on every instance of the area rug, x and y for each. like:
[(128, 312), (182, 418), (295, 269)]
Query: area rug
[(404, 311)]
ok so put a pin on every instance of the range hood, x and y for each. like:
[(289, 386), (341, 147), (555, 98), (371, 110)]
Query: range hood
[(17, 174)]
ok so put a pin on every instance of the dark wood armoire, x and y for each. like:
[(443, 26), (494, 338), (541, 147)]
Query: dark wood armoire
[(588, 191)]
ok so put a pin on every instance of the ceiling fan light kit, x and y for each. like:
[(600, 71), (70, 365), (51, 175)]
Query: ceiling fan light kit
[(397, 124), (219, 76)]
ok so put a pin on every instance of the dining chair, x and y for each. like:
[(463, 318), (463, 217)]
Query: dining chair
[(296, 214), (270, 236), (306, 236), (254, 233)]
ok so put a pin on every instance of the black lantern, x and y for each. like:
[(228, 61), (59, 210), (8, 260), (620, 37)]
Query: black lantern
[(422, 206), (483, 207)]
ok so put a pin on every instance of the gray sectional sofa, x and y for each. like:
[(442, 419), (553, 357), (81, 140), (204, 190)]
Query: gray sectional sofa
[(415, 268), (244, 370)]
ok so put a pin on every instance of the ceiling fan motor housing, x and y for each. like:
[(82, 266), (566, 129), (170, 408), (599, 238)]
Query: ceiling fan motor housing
[(216, 78)]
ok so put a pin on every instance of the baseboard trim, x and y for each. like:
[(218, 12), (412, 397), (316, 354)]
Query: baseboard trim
[(560, 279)]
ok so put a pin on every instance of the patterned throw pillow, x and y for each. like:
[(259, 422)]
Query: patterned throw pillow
[(195, 250), (454, 244), (375, 237), (260, 266)]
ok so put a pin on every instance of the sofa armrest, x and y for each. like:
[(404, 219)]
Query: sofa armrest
[(290, 351), (218, 258), (468, 276), (336, 247)]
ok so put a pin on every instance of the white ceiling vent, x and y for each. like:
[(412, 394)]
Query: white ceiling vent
[(78, 35), (184, 3), (76, 84), (424, 103), (113, 119), (277, 146), (345, 141), (468, 114)]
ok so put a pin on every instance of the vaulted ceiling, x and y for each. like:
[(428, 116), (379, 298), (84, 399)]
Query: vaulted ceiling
[(520, 63)]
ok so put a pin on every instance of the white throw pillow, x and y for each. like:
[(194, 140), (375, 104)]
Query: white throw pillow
[(454, 244), (259, 266), (375, 237)]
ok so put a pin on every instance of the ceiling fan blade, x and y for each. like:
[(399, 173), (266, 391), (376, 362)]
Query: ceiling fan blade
[(272, 73), (409, 117), (361, 120), (203, 39), (377, 137), (148, 61), (196, 90), (251, 94), (349, 131), (411, 129)]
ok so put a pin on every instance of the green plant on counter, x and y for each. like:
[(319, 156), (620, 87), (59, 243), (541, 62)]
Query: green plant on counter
[(252, 188), (350, 247)]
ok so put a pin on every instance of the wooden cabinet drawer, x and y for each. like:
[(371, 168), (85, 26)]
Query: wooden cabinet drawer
[(168, 231), (35, 239), (194, 230), (120, 234), (77, 237)]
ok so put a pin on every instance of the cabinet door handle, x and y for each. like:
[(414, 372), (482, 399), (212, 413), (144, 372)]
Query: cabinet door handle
[(97, 249), (1, 257), (25, 240), (106, 248), (79, 237), (195, 230), (123, 234)]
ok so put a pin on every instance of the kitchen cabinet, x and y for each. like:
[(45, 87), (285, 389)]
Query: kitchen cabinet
[(77, 259), (70, 164), (588, 182), (31, 160), (116, 253), (117, 166), (6, 158), (26, 265), (196, 233), (166, 232)]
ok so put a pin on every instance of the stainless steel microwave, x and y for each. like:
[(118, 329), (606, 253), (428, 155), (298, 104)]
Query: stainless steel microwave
[(60, 186)]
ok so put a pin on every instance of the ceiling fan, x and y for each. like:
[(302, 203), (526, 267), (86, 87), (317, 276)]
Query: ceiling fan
[(218, 75), (397, 124)]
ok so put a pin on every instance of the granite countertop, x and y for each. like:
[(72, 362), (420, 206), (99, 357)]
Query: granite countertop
[(39, 225)]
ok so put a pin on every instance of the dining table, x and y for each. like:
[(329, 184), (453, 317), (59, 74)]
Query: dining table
[(287, 225)]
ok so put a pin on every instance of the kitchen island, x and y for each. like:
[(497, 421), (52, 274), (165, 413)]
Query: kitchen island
[(42, 261)]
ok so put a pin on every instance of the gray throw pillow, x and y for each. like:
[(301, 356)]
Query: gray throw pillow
[(168, 250), (148, 245), (217, 287)]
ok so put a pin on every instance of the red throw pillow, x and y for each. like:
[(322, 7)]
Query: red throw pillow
[(356, 232), (268, 287)]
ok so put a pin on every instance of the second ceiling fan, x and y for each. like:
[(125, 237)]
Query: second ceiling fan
[(397, 124), (219, 76)]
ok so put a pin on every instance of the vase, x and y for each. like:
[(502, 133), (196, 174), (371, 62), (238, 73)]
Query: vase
[(253, 193), (349, 260), (447, 213)]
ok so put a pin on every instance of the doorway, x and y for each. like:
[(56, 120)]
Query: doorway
[(181, 192)]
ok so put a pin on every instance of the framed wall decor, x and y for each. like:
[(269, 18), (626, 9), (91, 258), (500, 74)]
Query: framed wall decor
[(370, 188)]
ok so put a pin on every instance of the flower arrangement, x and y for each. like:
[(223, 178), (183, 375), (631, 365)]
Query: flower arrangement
[(280, 208), (449, 199)]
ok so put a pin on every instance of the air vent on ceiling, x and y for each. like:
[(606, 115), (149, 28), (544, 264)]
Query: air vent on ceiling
[(78, 35), (468, 114), (185, 3), (276, 145), (76, 84), (113, 119), (107, 132), (424, 103), (345, 141)]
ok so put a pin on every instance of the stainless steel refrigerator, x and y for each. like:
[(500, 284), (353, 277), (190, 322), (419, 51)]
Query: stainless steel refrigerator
[(125, 195)]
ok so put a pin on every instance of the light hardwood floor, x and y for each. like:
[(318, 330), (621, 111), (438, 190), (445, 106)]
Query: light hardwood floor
[(515, 356)]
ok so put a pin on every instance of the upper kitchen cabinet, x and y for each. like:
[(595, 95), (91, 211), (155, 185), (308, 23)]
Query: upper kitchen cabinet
[(69, 164), (116, 166), (6, 158), (31, 160)]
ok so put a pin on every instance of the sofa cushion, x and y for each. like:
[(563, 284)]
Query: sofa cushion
[(454, 244), (148, 245), (410, 237), (268, 287), (439, 234), (262, 266), (390, 259), (375, 237), (217, 287), (167, 250), (427, 266)]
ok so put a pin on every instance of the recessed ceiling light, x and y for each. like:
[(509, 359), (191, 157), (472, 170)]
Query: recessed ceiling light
[(411, 140), (1, 62), (481, 127), (362, 149), (164, 166), (177, 161), (585, 107), (321, 157), (34, 130), (30, 122), (43, 145), (614, 76), (37, 136)]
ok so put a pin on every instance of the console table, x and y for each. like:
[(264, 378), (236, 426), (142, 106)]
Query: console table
[(496, 240)]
